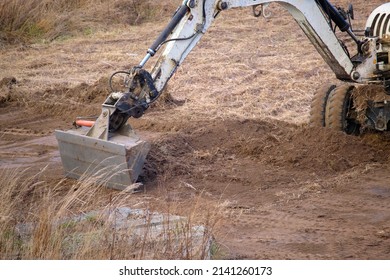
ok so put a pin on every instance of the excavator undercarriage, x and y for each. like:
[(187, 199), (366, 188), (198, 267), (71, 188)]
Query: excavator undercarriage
[(110, 149)]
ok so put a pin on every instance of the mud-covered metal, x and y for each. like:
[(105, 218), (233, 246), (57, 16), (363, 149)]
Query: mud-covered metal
[(115, 163)]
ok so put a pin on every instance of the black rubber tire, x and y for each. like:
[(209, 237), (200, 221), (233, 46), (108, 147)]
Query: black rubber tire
[(318, 106), (338, 108)]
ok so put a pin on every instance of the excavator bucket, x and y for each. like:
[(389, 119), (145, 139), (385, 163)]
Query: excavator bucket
[(112, 159), (115, 163)]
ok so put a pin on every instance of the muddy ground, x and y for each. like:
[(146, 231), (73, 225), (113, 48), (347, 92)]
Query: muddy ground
[(233, 132)]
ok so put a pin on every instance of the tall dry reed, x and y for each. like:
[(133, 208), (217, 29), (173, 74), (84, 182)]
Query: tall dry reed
[(77, 220)]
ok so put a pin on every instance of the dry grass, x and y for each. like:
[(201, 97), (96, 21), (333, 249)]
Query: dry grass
[(22, 21), (271, 72), (40, 221)]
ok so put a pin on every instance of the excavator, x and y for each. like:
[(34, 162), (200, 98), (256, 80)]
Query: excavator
[(109, 149)]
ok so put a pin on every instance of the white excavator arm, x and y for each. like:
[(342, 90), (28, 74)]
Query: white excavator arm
[(193, 18), (200, 14)]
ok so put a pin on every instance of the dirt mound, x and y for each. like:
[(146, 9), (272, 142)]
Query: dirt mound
[(6, 85), (8, 81), (83, 99), (320, 149), (267, 141), (59, 100), (84, 92)]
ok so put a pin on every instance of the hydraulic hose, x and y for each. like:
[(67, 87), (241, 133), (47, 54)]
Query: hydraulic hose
[(168, 30), (332, 12)]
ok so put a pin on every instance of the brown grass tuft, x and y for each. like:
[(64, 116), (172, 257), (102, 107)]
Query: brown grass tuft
[(22, 21), (42, 221)]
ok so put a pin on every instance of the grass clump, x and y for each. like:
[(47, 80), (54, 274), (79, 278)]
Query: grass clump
[(26, 21), (86, 221)]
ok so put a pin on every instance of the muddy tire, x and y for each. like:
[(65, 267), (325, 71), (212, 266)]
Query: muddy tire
[(318, 106), (339, 111)]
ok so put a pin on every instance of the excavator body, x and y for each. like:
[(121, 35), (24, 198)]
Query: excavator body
[(111, 151)]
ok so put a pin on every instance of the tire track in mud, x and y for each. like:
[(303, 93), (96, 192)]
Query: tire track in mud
[(356, 225), (28, 121), (300, 230), (27, 139), (23, 132)]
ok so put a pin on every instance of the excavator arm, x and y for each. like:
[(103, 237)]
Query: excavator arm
[(192, 20), (198, 16), (111, 142)]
